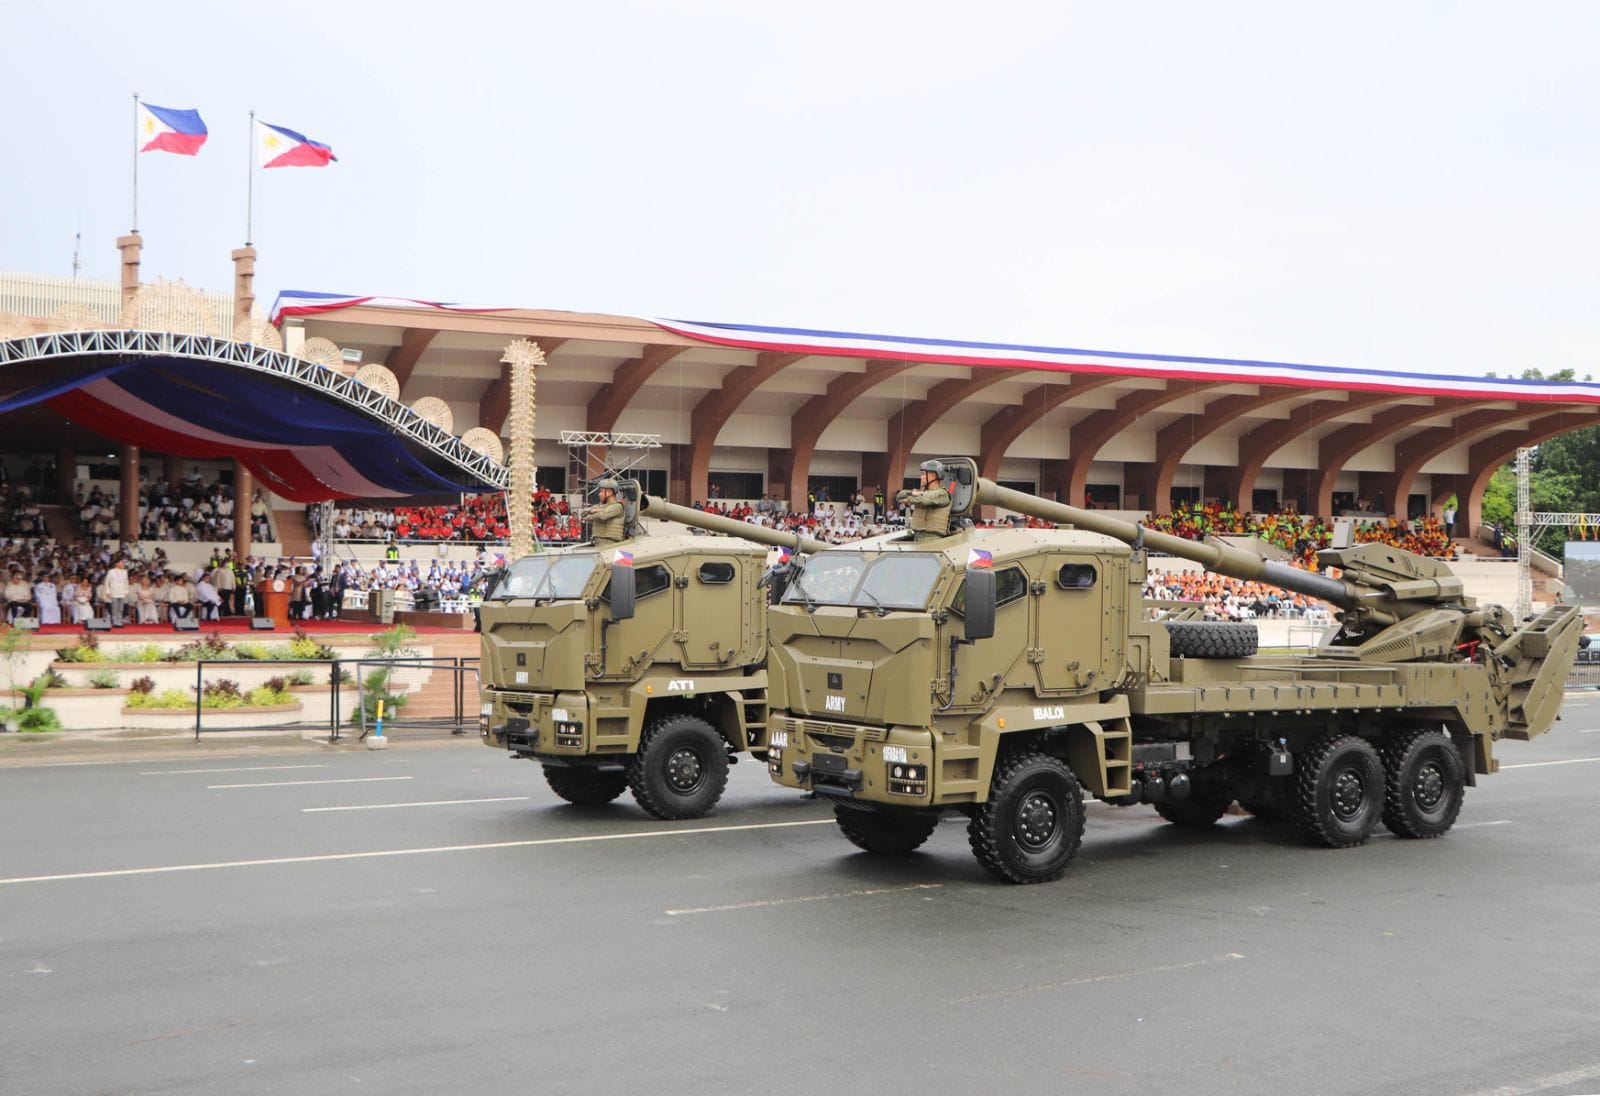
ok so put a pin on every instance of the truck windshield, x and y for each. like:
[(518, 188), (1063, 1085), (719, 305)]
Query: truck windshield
[(898, 581), (547, 576)]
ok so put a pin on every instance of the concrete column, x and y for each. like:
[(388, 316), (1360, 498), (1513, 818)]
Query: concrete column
[(244, 489), (130, 246), (172, 468), (244, 284), (66, 473), (128, 496)]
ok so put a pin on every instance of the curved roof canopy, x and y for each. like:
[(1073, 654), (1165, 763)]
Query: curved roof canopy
[(308, 432)]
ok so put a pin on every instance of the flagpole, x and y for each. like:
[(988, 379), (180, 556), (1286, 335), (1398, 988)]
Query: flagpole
[(135, 163), (250, 183)]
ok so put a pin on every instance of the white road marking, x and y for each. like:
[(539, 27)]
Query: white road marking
[(1496, 822), (1542, 764), (238, 769), (326, 857), (1543, 1084), (431, 803), (300, 783), (802, 898), (1091, 979)]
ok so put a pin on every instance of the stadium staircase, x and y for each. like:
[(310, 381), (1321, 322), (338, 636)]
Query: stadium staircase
[(435, 697), (294, 534)]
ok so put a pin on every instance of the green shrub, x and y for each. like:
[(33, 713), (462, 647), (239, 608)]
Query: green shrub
[(167, 698), (80, 653), (264, 695), (143, 652), (252, 651), (301, 677), (104, 679), (38, 720), (395, 642), (374, 689), (303, 646)]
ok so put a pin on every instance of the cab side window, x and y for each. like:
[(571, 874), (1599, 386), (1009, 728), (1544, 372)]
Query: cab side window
[(716, 574), (646, 581), (1010, 584), (1076, 576), (651, 580)]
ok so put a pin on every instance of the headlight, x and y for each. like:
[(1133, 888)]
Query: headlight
[(908, 779), (894, 754), (569, 734)]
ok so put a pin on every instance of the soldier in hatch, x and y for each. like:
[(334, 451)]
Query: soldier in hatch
[(930, 506), (605, 516)]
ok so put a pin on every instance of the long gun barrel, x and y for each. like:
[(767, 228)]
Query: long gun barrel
[(1219, 558), (733, 527)]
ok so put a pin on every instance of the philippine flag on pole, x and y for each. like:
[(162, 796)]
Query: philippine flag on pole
[(279, 147), (163, 129)]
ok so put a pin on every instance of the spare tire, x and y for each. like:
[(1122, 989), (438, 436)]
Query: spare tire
[(1211, 639)]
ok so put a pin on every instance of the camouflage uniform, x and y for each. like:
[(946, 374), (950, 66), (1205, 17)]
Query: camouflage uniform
[(605, 522), (930, 511)]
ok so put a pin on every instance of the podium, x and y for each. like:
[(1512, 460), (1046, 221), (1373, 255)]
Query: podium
[(272, 600)]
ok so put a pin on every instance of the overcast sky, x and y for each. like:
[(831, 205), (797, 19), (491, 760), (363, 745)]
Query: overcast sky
[(1396, 185)]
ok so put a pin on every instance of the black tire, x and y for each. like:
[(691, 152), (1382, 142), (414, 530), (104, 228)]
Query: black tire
[(585, 787), (681, 768), (1339, 791), (1032, 824), (1195, 812), (1211, 639), (889, 834), (1426, 782)]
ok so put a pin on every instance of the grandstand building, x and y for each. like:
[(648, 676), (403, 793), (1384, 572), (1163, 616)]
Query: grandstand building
[(744, 411)]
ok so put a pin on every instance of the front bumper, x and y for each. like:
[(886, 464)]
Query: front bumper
[(893, 766), (552, 725)]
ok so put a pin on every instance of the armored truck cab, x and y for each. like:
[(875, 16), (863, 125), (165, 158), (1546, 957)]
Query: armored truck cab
[(640, 665), (1003, 673)]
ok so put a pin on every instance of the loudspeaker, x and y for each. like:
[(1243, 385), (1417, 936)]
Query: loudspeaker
[(27, 624), (98, 624), (186, 624), (262, 624)]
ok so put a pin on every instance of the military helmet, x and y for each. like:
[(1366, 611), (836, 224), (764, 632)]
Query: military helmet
[(932, 466), (608, 482)]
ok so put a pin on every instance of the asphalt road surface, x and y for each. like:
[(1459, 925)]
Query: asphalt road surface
[(435, 921)]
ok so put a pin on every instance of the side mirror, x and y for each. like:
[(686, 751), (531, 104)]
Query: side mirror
[(621, 591), (978, 612)]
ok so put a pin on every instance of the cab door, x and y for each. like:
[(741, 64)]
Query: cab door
[(1003, 654), (1069, 624), (714, 606)]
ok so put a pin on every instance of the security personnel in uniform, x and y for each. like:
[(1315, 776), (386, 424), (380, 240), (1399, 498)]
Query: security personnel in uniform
[(605, 516), (930, 507)]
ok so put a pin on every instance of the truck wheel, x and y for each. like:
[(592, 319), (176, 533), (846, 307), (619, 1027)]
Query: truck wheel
[(681, 768), (584, 787), (1196, 812), (1338, 791), (1032, 824), (1426, 783), (1211, 639), (890, 834)]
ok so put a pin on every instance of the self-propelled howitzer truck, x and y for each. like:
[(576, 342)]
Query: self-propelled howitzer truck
[(640, 665), (1003, 672)]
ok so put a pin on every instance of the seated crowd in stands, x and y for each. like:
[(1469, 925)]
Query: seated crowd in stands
[(1300, 535), (71, 583), (190, 510), (475, 518), (19, 513), (1225, 598)]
